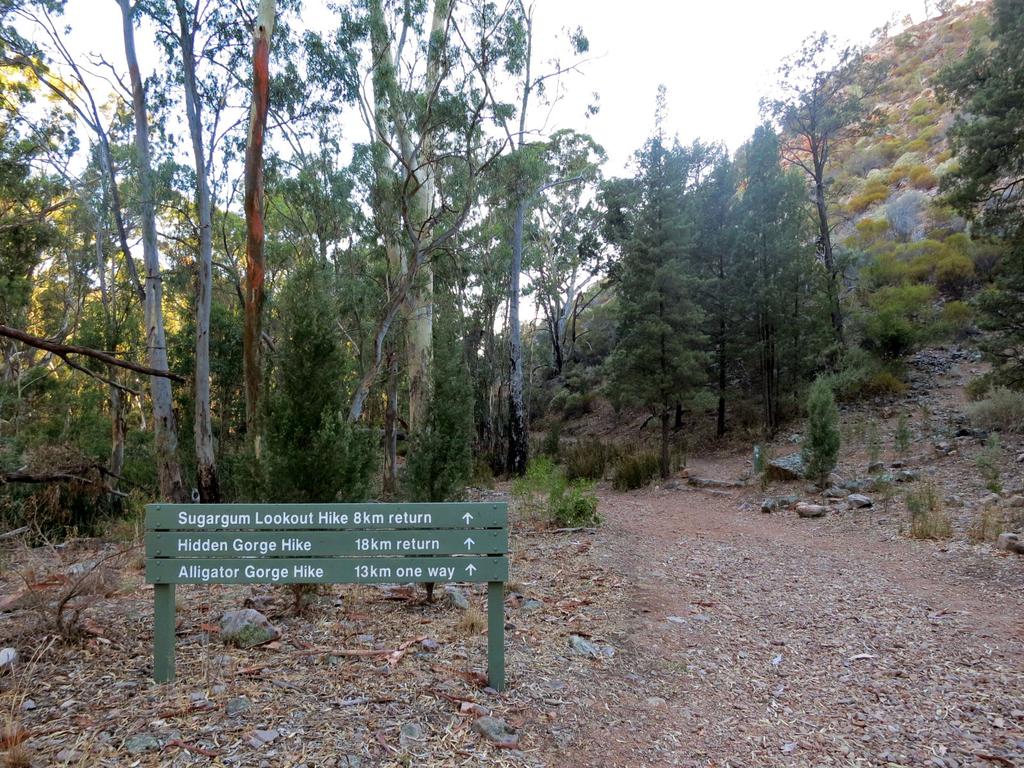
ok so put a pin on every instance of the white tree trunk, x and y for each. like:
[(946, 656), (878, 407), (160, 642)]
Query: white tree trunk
[(165, 430), (206, 465)]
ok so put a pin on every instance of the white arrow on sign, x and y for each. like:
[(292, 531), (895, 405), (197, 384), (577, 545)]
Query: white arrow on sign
[(467, 517), (469, 543), (470, 569)]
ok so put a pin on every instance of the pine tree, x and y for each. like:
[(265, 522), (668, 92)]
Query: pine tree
[(313, 453), (988, 86), (776, 272), (657, 361), (821, 448)]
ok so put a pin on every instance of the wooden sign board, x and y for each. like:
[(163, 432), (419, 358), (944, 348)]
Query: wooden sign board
[(325, 544)]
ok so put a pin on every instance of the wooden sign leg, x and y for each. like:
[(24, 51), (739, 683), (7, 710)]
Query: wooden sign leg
[(163, 632), (496, 635)]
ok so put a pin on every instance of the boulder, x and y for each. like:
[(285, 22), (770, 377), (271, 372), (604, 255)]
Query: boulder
[(836, 493), (787, 468), (247, 628), (497, 731), (859, 501), (811, 510), (1010, 542), (876, 466)]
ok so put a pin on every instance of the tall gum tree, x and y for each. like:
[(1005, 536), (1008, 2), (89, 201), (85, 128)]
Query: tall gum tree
[(165, 430), (255, 235), (823, 103)]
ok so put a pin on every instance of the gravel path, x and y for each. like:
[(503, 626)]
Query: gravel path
[(766, 640)]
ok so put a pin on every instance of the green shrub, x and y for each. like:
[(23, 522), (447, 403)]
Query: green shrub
[(875, 191), (552, 440), (635, 470), (532, 489), (820, 450), (585, 460), (889, 334), (1002, 410), (988, 463), (920, 107), (884, 383), (956, 318), (954, 273), (901, 439), (573, 505), (921, 177), (544, 492), (978, 388)]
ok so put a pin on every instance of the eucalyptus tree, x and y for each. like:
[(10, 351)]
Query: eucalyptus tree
[(523, 172), (565, 253), (823, 103), (255, 260), (424, 116)]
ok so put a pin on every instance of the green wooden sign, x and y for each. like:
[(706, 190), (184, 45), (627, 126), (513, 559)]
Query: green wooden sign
[(329, 544)]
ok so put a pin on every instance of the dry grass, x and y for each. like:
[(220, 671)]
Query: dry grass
[(986, 526), (473, 622), (928, 520)]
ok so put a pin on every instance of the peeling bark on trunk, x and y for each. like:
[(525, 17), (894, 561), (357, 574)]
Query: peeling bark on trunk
[(206, 465), (165, 430), (255, 262)]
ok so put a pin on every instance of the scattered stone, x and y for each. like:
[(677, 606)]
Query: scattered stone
[(859, 501), (811, 510), (366, 639), (989, 500), (430, 645), (836, 493), (1020, 458), (411, 734), (8, 658), (1010, 542), (707, 482), (497, 731), (769, 505), (247, 628), (260, 737), (876, 466), (67, 756), (237, 706), (531, 605), (141, 742), (1014, 502), (584, 647), (457, 598), (786, 468), (655, 702), (898, 464), (350, 761), (943, 448), (907, 476), (28, 705)]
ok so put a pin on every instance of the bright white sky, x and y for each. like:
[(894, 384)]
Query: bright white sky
[(716, 57)]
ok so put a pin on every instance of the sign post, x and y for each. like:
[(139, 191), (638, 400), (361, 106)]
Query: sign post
[(325, 544)]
